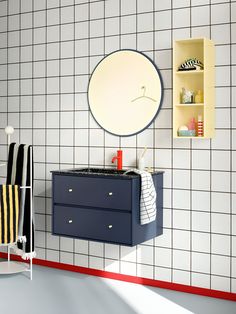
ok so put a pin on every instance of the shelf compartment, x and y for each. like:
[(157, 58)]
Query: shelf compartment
[(189, 72)]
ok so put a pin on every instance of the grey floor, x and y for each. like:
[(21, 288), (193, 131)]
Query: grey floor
[(60, 292)]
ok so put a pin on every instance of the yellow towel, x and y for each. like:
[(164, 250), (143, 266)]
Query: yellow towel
[(9, 213)]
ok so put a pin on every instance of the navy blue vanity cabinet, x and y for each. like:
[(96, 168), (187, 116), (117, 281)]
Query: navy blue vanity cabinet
[(103, 207)]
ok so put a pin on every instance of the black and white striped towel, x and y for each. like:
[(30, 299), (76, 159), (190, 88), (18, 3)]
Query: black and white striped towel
[(147, 198), (18, 172)]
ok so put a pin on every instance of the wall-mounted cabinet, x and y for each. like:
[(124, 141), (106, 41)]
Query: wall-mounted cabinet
[(193, 80)]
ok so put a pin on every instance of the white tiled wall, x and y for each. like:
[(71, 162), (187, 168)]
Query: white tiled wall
[(48, 50)]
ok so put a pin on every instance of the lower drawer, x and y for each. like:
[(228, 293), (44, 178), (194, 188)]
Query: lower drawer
[(92, 224)]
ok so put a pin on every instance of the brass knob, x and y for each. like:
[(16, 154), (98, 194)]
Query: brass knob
[(70, 190), (70, 221), (109, 226)]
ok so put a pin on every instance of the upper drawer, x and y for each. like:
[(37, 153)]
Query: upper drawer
[(94, 192)]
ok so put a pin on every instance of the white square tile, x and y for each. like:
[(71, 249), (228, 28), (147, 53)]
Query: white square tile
[(128, 268), (53, 16), (200, 159), (128, 7), (67, 49), (220, 244), (39, 18), (181, 199), (96, 137), (81, 137), (96, 248), (223, 55), (181, 179), (181, 239), (66, 244), (221, 140), (145, 271), (81, 12), (81, 155), (96, 262), (203, 31), (201, 242), (66, 258), (182, 277), (112, 26), (81, 246), (145, 22), (162, 20), (220, 202), (128, 254), (112, 8), (112, 43), (220, 283), (161, 273), (52, 85), (145, 254), (201, 262), (181, 260), (39, 69), (96, 46), (164, 240), (201, 221), (81, 30), (145, 41), (67, 84), (163, 257), (52, 255), (112, 266), (96, 10), (128, 24), (96, 28), (181, 159), (220, 265), (39, 53), (13, 22), (26, 20), (222, 118), (200, 16), (53, 51), (223, 76), (180, 3), (163, 138), (163, 39), (221, 181), (200, 200), (52, 242), (181, 219), (220, 34), (97, 156), (220, 223), (67, 138), (200, 180), (220, 13), (39, 35), (67, 32), (67, 14), (220, 160), (52, 137), (181, 18), (81, 260), (200, 280), (111, 251)]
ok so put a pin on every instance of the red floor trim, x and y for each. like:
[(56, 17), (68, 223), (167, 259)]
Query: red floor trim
[(133, 279)]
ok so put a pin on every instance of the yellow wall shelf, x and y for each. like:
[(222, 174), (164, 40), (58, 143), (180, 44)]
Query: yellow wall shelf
[(194, 80)]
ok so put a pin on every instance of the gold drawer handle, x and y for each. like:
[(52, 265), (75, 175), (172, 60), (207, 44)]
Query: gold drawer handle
[(110, 193), (70, 190), (70, 221), (110, 226)]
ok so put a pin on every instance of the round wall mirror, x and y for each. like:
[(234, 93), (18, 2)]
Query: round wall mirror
[(125, 92)]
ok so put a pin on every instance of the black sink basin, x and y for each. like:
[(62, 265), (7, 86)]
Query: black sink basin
[(99, 171)]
